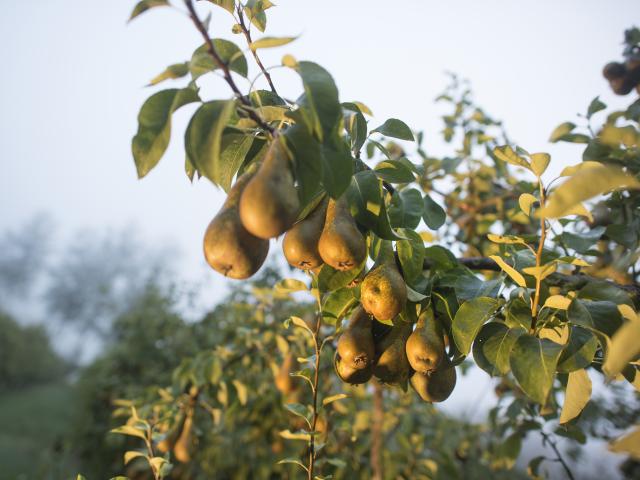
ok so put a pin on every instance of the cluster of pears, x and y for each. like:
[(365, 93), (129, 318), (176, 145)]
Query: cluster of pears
[(179, 437), (397, 354), (623, 77)]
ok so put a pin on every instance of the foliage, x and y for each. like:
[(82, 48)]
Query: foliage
[(540, 315)]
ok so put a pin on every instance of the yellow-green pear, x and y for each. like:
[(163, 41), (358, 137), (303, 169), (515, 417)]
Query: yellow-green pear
[(341, 244), (383, 291), (355, 346), (437, 385), (425, 346), (300, 244)]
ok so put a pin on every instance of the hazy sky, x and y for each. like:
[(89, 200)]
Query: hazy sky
[(74, 71)]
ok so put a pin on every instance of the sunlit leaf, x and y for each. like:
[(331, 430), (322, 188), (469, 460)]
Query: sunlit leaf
[(130, 431), (539, 163), (228, 5), (177, 70), (625, 346), (242, 390), (289, 285), (526, 201), (576, 396), (557, 301), (271, 42), (131, 454), (541, 272), (508, 155), (561, 130), (333, 398), (509, 270), (628, 444)]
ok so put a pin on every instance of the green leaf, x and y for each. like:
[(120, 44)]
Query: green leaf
[(336, 304), (177, 70), (203, 139), (406, 208), (493, 345), (595, 106), (202, 62), (507, 154), (440, 258), (533, 363), (585, 184), (410, 254), (271, 42), (154, 126), (320, 98), (469, 319), (297, 409), (337, 169), (576, 396), (393, 171), (308, 160), (254, 9), (145, 5), (330, 279), (579, 351), (356, 126), (228, 5), (233, 152), (293, 460), (561, 130), (394, 128), (433, 215)]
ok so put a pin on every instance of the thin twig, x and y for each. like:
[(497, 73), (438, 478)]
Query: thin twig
[(211, 49), (559, 458), (543, 236), (247, 34), (312, 445)]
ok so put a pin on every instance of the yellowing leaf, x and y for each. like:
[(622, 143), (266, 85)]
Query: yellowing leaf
[(627, 312), (130, 455), (507, 239), (558, 335), (509, 270), (129, 430), (585, 184), (526, 200), (270, 42), (580, 209), (541, 272), (334, 398), (242, 391), (539, 163), (289, 61), (507, 154), (625, 346), (577, 395), (557, 301), (287, 434), (630, 444), (568, 171)]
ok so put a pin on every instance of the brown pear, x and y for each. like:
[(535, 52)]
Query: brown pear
[(300, 244), (437, 385), (183, 444), (392, 365), (284, 381), (425, 346), (341, 244), (383, 291), (353, 376), (269, 204), (228, 247), (171, 436), (355, 347)]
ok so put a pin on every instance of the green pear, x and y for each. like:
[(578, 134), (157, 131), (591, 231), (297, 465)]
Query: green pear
[(228, 247), (300, 244), (383, 291), (425, 346), (392, 365), (269, 204), (437, 385), (355, 346), (341, 244)]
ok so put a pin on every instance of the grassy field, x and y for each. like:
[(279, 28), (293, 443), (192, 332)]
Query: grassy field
[(33, 422)]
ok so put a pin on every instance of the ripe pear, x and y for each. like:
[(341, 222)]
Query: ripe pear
[(171, 436), (269, 204), (300, 244), (437, 385), (383, 291), (228, 247), (622, 85), (425, 346), (355, 347), (284, 381), (182, 446), (341, 244), (614, 70), (351, 375), (392, 365)]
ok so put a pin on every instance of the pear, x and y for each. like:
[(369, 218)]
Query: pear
[(437, 385), (183, 444), (341, 244), (300, 244), (383, 291), (228, 247), (353, 376), (425, 346), (355, 346), (392, 365), (284, 381), (171, 436), (269, 204)]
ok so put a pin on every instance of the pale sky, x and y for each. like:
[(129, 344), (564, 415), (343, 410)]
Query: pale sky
[(74, 71)]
